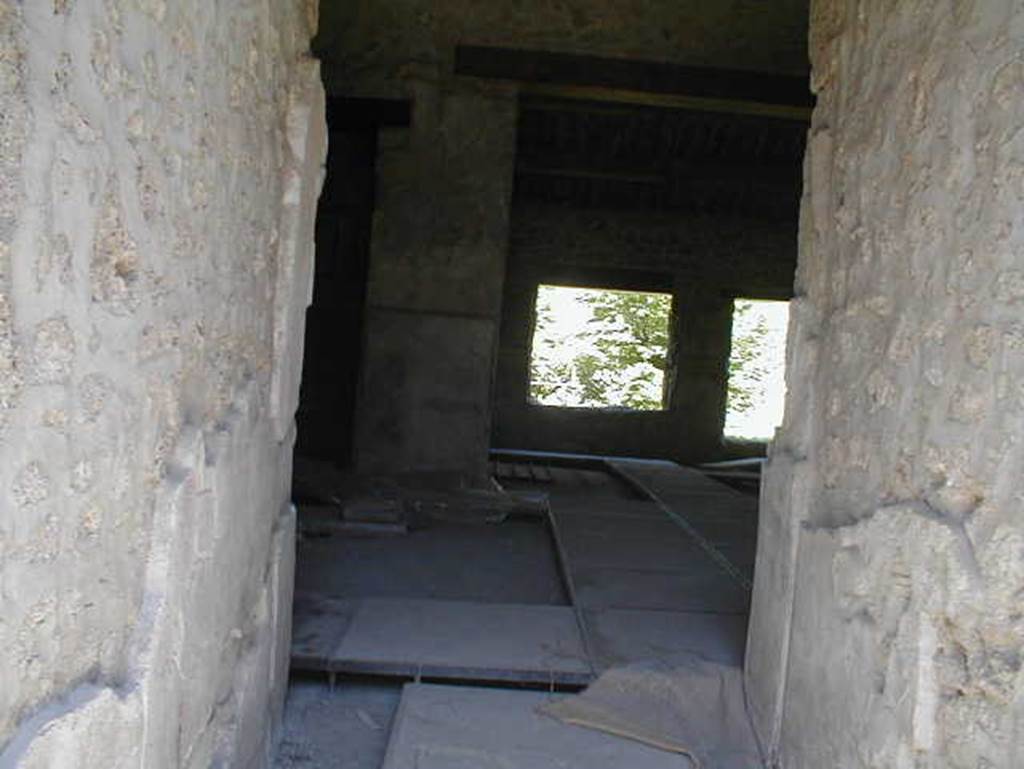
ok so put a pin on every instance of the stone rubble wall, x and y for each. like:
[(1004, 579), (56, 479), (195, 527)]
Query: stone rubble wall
[(887, 627), (159, 165)]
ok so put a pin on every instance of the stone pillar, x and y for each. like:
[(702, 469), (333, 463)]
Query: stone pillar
[(436, 273), (702, 338), (887, 624)]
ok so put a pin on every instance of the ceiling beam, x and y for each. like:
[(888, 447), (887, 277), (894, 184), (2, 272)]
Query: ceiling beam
[(592, 96), (675, 169), (644, 83), (583, 172)]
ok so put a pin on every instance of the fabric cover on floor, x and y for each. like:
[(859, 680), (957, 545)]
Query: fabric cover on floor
[(695, 708)]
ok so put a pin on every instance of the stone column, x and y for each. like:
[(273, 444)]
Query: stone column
[(436, 272), (702, 337)]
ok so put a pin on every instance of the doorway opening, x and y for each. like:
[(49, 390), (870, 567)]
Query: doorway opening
[(592, 319)]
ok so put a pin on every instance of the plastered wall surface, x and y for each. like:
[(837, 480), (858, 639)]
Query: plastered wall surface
[(159, 165), (887, 627)]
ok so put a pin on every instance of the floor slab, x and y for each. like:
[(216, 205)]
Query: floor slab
[(347, 725), (625, 543), (447, 727), (448, 639), (703, 589), (625, 636), (319, 622), (723, 519), (509, 562)]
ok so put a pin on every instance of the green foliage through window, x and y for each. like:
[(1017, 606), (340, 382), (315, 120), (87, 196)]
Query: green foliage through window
[(757, 385), (598, 348)]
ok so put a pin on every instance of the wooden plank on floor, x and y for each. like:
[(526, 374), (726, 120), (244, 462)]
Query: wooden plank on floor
[(461, 640), (453, 727)]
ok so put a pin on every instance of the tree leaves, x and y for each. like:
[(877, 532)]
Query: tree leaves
[(746, 364), (616, 357), (597, 348)]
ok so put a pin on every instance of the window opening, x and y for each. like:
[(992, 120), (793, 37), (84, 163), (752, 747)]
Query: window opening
[(600, 348), (757, 369)]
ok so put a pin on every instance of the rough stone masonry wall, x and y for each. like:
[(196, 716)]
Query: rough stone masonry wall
[(888, 628), (159, 165)]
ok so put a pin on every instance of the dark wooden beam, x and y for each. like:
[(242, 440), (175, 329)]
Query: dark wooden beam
[(617, 279), (633, 77), (697, 171), (346, 112), (586, 172), (602, 101), (591, 95)]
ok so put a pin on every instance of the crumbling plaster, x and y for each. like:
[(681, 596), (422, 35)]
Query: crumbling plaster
[(887, 628), (159, 164)]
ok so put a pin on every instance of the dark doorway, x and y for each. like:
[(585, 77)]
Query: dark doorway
[(335, 319)]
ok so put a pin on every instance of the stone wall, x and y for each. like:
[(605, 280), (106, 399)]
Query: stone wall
[(887, 626), (704, 261), (159, 165), (369, 46)]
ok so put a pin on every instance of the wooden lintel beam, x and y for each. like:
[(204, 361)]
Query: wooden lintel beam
[(592, 97), (653, 83), (718, 170), (530, 169)]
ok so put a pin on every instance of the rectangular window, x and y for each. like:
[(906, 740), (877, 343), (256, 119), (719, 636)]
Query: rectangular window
[(599, 348), (757, 369)]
